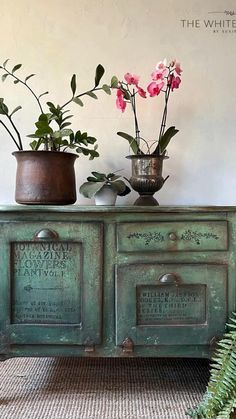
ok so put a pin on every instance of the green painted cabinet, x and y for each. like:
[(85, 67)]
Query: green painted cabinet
[(115, 281)]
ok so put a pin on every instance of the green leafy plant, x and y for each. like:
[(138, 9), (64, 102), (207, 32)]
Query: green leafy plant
[(98, 180), (219, 401), (53, 131)]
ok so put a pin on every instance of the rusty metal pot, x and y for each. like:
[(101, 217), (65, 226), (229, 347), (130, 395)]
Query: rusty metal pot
[(45, 178), (147, 177)]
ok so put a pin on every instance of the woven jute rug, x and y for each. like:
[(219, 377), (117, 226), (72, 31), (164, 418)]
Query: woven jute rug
[(82, 388)]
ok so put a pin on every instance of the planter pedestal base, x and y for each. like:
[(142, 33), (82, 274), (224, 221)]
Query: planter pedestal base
[(146, 200)]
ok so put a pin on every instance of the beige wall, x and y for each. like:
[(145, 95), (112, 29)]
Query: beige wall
[(55, 38)]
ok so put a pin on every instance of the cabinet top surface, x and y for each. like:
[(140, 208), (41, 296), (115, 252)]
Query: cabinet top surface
[(112, 209)]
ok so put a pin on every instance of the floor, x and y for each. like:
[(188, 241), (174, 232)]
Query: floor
[(82, 388)]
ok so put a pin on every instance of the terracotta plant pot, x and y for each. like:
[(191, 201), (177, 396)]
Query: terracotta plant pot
[(45, 178)]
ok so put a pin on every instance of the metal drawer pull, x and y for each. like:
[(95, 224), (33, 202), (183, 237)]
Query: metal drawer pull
[(173, 237), (170, 278), (46, 234)]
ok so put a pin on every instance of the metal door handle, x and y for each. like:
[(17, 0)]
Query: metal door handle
[(169, 278), (46, 234)]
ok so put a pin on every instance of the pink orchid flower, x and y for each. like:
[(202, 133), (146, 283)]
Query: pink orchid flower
[(157, 75), (120, 103), (161, 67), (131, 79), (178, 70), (154, 88), (176, 66), (175, 82), (141, 92)]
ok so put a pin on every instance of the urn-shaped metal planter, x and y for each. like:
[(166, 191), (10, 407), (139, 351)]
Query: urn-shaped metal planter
[(45, 177), (147, 177)]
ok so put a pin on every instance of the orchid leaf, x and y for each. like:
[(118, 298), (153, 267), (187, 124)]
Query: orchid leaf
[(165, 139), (132, 141)]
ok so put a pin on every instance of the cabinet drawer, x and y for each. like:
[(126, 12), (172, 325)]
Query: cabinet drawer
[(170, 304), (54, 270), (172, 236)]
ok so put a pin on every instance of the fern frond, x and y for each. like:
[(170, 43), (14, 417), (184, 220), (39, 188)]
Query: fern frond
[(219, 401), (228, 409)]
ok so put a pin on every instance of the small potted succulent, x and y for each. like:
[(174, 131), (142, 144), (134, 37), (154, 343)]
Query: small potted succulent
[(104, 188), (45, 174), (148, 157)]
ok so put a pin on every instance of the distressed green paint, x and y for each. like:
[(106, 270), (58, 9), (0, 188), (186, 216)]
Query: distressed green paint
[(46, 282), (55, 303), (108, 286), (208, 323), (174, 236), (173, 304)]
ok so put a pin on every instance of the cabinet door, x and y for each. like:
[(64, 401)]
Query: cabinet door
[(50, 289), (170, 304)]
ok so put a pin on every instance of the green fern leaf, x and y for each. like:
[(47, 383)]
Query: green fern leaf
[(219, 400)]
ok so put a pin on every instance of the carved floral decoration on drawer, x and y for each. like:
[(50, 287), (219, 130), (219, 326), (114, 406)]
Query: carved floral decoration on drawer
[(195, 236), (148, 237), (187, 236)]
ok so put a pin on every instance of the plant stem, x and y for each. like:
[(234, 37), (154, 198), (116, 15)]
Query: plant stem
[(17, 132), (9, 132), (28, 87), (137, 131), (164, 116), (81, 94)]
